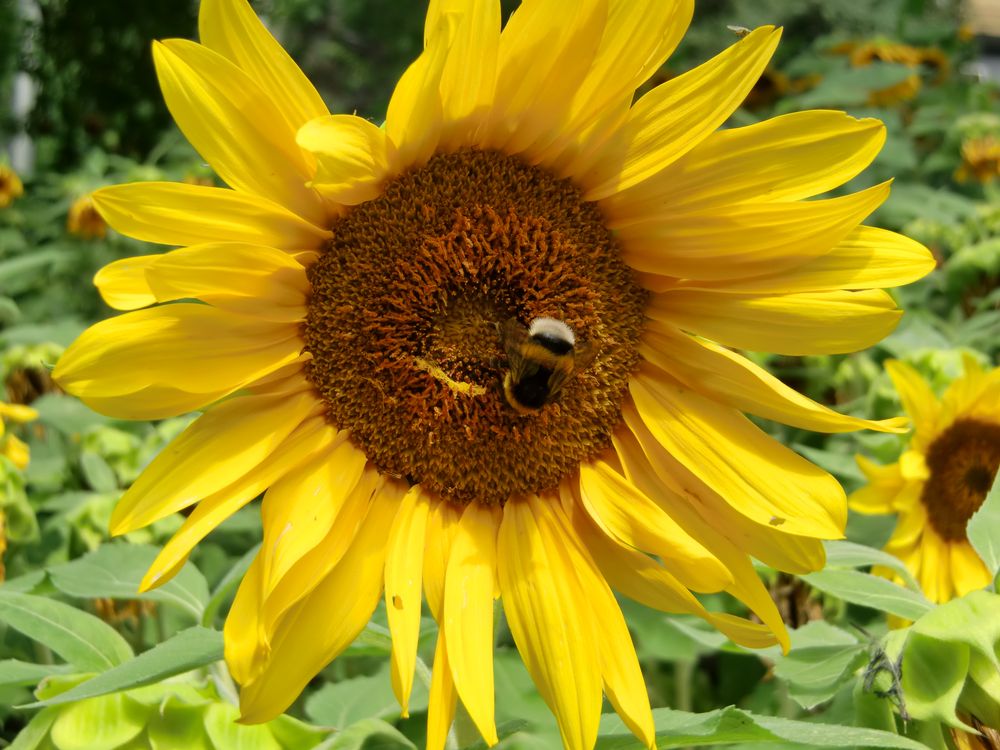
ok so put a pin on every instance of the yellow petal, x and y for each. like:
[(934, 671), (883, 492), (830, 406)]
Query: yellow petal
[(674, 117), (793, 324), (415, 115), (620, 671), (442, 525), (641, 578), (232, 29), (708, 516), (916, 396), (17, 451), (312, 437), (625, 514), (178, 214), (786, 158), (468, 78), (755, 474), (403, 577), (468, 613), (868, 258), (255, 280), (545, 52), (191, 348), (746, 239), (312, 567), (228, 441), (733, 379), (558, 646), (327, 620), (884, 482), (300, 509), (443, 698), (17, 413), (245, 645), (235, 126), (353, 157), (637, 39), (659, 475), (122, 283), (968, 572)]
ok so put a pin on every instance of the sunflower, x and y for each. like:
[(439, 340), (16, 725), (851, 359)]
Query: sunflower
[(84, 220), (11, 446), (11, 187), (940, 480), (980, 160), (347, 354)]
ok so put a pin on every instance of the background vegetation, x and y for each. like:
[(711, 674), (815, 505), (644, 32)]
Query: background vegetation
[(98, 119)]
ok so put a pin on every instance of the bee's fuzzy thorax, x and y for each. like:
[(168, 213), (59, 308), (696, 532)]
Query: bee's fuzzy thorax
[(552, 328)]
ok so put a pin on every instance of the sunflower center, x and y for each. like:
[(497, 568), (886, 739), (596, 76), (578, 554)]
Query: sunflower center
[(404, 321), (963, 463)]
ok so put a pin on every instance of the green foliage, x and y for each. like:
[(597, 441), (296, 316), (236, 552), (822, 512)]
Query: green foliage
[(79, 645)]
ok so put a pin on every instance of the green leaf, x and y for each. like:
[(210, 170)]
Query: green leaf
[(178, 726), (984, 529), (933, 675), (98, 474), (115, 571), (86, 642), (372, 734), (36, 731), (870, 591), (100, 723), (222, 729), (822, 659), (342, 704), (67, 415), (189, 649), (843, 554), (973, 619), (732, 725), (14, 672), (229, 583)]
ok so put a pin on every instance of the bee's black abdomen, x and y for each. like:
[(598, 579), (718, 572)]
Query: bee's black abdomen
[(532, 391), (554, 344)]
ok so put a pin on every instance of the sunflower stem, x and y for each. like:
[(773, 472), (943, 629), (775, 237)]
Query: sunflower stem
[(683, 674)]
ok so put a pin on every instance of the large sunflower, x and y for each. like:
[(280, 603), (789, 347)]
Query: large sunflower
[(347, 351), (940, 480)]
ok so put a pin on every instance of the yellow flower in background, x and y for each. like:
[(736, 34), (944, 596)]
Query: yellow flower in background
[(10, 186), (940, 480), (10, 445), (863, 55), (980, 160), (352, 351), (84, 220)]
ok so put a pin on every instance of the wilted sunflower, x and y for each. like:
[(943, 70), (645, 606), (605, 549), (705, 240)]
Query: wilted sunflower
[(349, 359), (940, 480)]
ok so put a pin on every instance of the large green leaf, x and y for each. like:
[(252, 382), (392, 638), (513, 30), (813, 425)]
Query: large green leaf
[(732, 725), (115, 571), (189, 649), (984, 529), (103, 723), (86, 642), (343, 704), (870, 591), (843, 554), (371, 734), (34, 734), (14, 672), (822, 658)]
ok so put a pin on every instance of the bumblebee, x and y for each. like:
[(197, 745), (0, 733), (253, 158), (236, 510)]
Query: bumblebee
[(541, 359)]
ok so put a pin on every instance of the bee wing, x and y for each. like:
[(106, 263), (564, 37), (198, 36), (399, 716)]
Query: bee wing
[(584, 355), (512, 336)]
